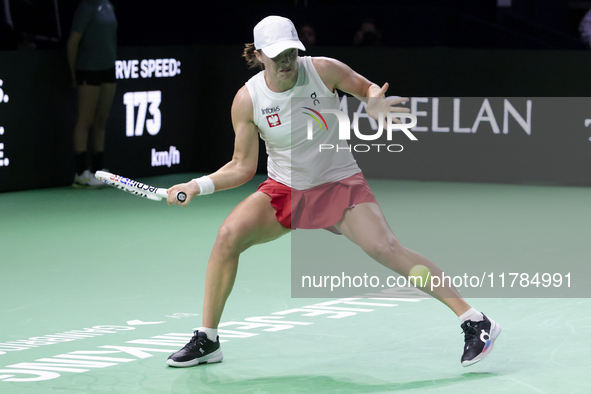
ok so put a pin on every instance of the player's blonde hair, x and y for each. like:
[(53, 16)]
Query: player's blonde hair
[(250, 57)]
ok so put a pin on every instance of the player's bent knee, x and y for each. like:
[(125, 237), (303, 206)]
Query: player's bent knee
[(385, 250), (232, 237)]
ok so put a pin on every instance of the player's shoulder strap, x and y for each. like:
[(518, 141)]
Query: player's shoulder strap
[(314, 77), (253, 89)]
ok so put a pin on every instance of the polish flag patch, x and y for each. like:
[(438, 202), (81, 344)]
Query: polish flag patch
[(273, 120)]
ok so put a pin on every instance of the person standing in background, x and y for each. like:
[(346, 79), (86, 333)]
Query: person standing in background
[(307, 35), (368, 34), (92, 52)]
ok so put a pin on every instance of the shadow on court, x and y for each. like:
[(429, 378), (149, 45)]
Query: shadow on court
[(191, 381)]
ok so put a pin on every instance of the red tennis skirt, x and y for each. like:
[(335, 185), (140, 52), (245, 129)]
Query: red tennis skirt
[(319, 207)]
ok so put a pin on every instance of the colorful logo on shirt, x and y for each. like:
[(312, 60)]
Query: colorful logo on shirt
[(273, 120), (315, 118)]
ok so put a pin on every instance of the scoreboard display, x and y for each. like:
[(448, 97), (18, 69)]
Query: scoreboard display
[(150, 130)]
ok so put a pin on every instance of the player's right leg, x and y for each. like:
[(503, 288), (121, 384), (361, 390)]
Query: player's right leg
[(252, 222)]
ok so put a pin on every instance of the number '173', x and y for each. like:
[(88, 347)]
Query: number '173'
[(145, 101)]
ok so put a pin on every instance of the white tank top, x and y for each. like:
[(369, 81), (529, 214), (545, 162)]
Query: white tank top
[(282, 120)]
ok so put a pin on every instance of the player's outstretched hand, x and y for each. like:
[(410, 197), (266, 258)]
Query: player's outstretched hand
[(191, 189), (382, 104)]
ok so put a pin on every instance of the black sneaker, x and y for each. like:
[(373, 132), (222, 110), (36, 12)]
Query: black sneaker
[(480, 337), (199, 350)]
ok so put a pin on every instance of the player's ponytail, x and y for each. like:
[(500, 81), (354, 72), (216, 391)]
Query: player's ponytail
[(250, 57)]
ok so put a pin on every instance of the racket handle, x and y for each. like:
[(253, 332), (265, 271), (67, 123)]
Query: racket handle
[(181, 196)]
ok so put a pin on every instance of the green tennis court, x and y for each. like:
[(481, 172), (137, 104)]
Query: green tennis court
[(98, 287)]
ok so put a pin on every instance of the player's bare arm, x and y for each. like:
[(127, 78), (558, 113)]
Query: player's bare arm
[(244, 161), (337, 75)]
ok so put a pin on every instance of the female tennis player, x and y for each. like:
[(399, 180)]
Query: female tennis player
[(304, 189)]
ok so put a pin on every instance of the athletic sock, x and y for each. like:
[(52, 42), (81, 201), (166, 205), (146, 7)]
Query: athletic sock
[(472, 314), (212, 333), (97, 161), (80, 161)]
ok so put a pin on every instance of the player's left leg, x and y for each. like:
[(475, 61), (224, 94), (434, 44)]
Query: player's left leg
[(252, 222), (366, 226)]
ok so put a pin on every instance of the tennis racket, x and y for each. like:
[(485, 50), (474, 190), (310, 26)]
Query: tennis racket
[(135, 187)]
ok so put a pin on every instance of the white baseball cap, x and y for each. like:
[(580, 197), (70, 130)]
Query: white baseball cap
[(275, 34)]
